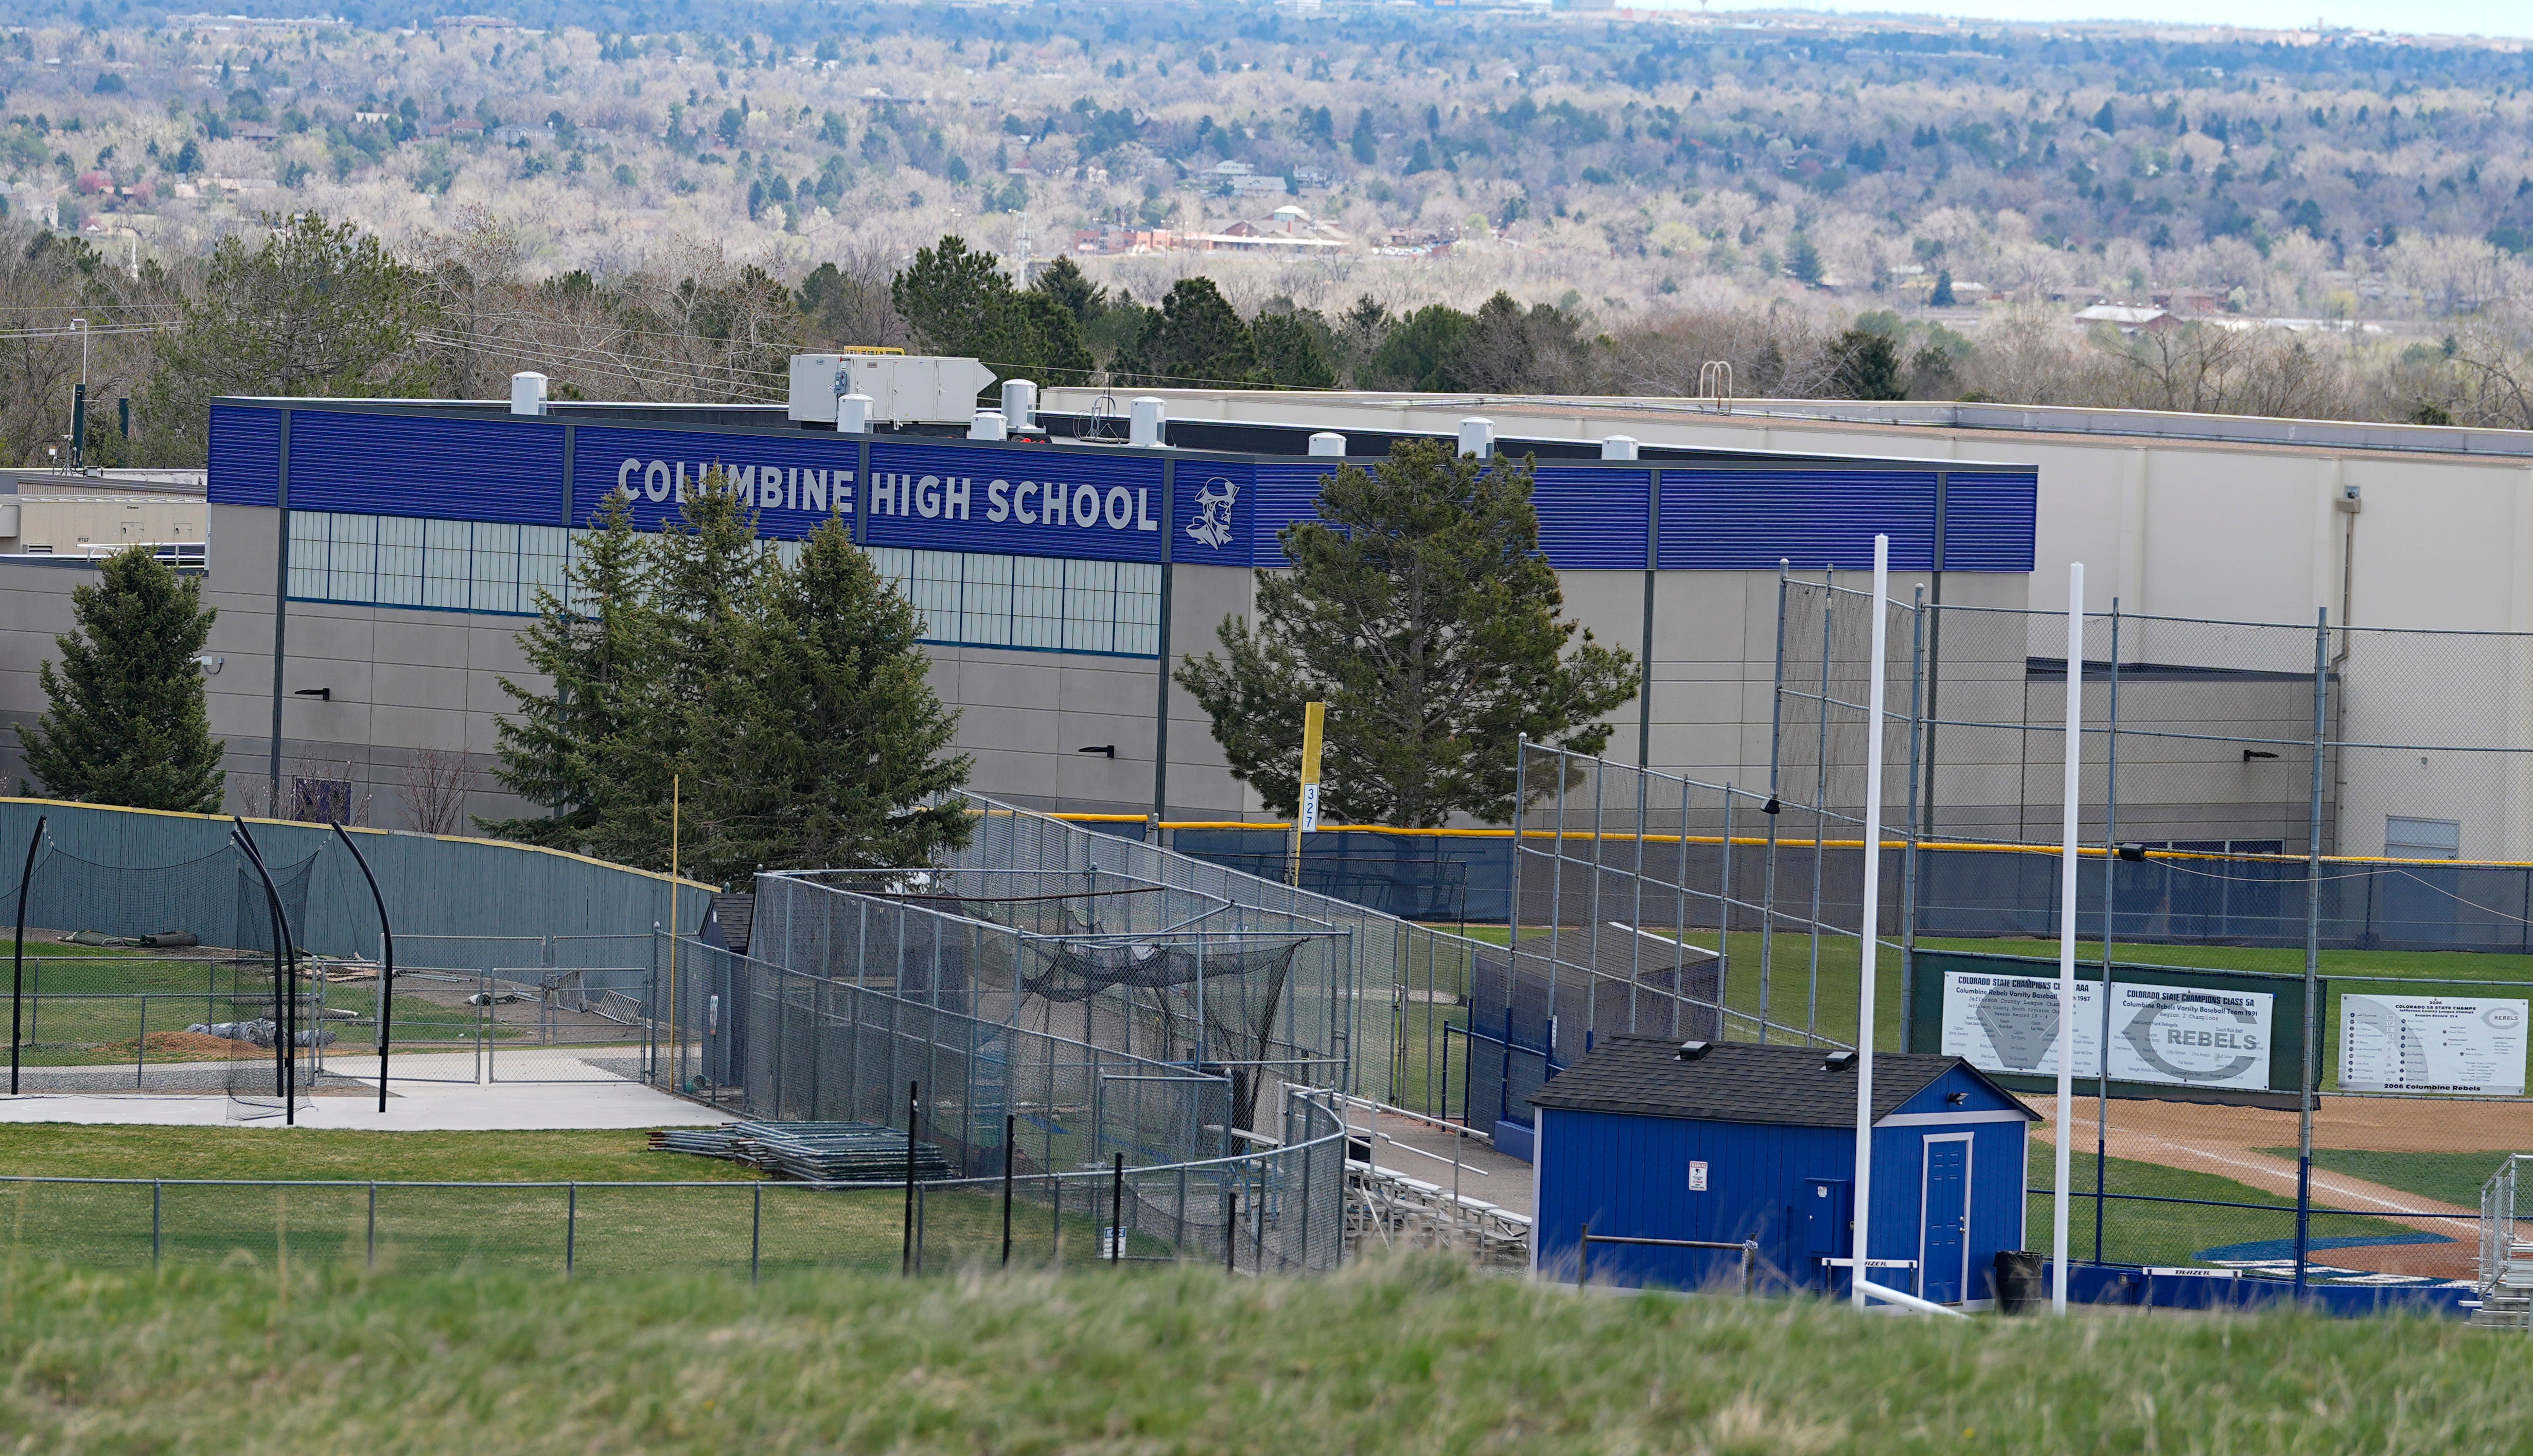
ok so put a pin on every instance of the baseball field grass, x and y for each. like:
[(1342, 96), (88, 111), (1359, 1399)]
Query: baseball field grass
[(1396, 1355)]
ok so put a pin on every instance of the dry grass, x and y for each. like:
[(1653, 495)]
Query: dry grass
[(1395, 1356)]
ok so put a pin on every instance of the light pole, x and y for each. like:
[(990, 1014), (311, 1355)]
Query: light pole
[(79, 403)]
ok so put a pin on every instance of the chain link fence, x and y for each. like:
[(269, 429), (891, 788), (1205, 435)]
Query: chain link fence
[(2288, 832), (1276, 1209)]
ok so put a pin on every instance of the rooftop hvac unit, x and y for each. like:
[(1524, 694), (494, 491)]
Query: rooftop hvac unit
[(904, 389)]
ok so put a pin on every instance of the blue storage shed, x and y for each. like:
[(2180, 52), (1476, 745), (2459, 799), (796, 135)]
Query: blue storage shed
[(1646, 1137)]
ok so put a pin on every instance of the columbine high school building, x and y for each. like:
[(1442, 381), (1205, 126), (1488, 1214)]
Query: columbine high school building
[(373, 561)]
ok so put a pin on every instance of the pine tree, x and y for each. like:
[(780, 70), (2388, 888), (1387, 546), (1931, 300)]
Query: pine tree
[(1419, 610), (959, 302), (791, 704), (595, 648), (127, 721), (846, 761), (1293, 350), (707, 697), (1197, 338)]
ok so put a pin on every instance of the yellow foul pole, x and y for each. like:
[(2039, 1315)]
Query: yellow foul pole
[(1314, 716)]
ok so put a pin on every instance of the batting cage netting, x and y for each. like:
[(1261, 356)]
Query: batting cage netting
[(191, 976)]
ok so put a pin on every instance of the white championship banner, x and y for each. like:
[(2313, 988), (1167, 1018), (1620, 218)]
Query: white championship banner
[(2010, 1023), (2431, 1045), (2176, 1035)]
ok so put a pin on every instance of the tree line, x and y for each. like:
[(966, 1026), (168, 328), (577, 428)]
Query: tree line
[(316, 307)]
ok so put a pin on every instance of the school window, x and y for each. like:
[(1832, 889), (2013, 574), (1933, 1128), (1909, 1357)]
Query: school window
[(2422, 839), (967, 598)]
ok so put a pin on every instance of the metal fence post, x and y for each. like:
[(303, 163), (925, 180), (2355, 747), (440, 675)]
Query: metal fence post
[(2311, 1071), (755, 1228), (1230, 1227), (156, 1189), (370, 1253), (906, 1252), (1723, 915), (1776, 739), (570, 1226), (1909, 850), (1820, 806), (2110, 880), (18, 954), (1117, 1212)]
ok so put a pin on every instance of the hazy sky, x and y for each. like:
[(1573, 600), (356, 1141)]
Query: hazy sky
[(2441, 17)]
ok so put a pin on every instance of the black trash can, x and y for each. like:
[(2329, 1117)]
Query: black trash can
[(2022, 1281)]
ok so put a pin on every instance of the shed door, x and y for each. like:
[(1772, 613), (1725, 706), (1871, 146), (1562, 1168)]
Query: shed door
[(1943, 1259)]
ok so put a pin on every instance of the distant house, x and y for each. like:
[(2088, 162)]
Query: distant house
[(254, 131), (2127, 317)]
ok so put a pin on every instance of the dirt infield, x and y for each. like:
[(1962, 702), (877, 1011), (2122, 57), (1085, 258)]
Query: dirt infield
[(2227, 1142)]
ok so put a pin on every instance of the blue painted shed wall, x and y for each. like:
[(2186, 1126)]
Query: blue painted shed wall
[(1628, 1175)]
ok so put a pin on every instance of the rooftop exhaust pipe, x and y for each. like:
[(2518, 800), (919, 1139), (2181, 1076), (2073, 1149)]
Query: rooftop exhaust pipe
[(1020, 404)]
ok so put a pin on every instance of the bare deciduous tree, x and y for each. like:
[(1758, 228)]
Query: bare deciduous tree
[(433, 790)]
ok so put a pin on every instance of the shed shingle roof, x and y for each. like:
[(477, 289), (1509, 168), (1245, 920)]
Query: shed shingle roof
[(1741, 1082)]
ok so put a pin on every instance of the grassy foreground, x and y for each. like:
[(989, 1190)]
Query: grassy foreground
[(1398, 1356), (80, 1150)]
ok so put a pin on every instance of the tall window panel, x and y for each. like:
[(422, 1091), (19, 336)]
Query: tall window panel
[(492, 568), (310, 535), (400, 562), (446, 569)]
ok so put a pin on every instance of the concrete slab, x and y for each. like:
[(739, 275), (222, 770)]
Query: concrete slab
[(413, 1104)]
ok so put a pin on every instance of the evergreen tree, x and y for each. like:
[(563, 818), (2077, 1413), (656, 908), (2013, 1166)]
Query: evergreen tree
[(1419, 610), (959, 303), (952, 300), (1420, 352), (1868, 367), (791, 704), (1363, 141), (1196, 337), (317, 308), (709, 700), (596, 645), (1064, 281), (127, 721), (849, 764), (1293, 351)]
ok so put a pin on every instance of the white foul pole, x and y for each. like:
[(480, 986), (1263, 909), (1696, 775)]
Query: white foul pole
[(2075, 738), (1872, 928)]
